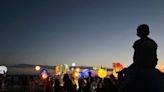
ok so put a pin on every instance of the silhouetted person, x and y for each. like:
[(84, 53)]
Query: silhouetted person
[(24, 82), (142, 75), (83, 85), (94, 85), (68, 85), (48, 84), (108, 86), (57, 87), (122, 75), (89, 81), (145, 49)]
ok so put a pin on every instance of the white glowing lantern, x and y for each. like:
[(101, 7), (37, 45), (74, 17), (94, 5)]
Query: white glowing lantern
[(73, 64), (3, 69), (37, 68)]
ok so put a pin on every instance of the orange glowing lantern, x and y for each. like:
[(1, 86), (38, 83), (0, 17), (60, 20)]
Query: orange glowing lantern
[(44, 76), (117, 67)]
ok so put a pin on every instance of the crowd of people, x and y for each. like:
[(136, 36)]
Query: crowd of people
[(90, 84), (66, 83)]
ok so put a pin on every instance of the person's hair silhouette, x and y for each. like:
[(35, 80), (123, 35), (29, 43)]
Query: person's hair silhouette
[(145, 49), (143, 30)]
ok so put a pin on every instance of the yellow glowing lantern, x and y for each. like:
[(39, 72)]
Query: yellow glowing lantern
[(77, 70), (115, 74), (37, 68), (57, 70), (102, 73), (76, 75)]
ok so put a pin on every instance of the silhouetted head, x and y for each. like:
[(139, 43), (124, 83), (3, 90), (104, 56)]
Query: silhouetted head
[(90, 74), (57, 82), (143, 30), (66, 77)]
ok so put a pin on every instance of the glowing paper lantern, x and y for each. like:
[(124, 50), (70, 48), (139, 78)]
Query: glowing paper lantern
[(62, 67), (3, 69), (85, 72), (85, 75), (57, 70), (67, 67), (76, 74), (117, 67), (102, 73), (44, 74), (37, 68), (73, 64), (77, 69), (115, 74), (44, 71)]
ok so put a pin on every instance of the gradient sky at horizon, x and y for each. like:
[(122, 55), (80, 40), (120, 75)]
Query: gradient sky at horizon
[(88, 32)]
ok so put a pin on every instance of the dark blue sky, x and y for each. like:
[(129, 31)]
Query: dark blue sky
[(88, 32)]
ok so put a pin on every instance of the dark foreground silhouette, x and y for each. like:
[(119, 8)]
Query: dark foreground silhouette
[(142, 76)]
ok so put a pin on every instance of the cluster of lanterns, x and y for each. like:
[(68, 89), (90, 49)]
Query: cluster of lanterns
[(102, 73), (78, 73), (60, 69), (43, 73)]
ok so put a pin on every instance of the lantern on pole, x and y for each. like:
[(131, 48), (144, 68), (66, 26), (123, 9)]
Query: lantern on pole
[(102, 73)]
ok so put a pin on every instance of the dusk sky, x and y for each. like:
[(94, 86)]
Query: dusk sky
[(88, 32)]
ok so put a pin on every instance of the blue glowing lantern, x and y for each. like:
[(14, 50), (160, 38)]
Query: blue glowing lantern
[(85, 72)]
